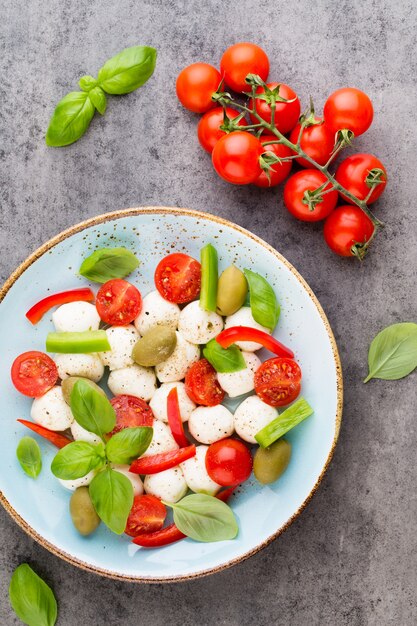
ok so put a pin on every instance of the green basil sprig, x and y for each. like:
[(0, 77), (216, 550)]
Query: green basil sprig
[(263, 301), (204, 518), (31, 598), (107, 263), (29, 456), (77, 459), (92, 410), (224, 360), (128, 444), (393, 352), (112, 496)]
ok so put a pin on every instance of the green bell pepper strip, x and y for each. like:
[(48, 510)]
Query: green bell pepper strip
[(291, 417), (78, 343), (209, 278)]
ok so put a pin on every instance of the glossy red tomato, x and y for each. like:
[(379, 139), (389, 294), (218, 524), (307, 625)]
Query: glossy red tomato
[(297, 185), (208, 129), (279, 171), (147, 515), (118, 302), (278, 381), (286, 113), (228, 462), (346, 226), (317, 141), (201, 384), (131, 412), (178, 278), (353, 173), (348, 108), (34, 373), (240, 60), (195, 86), (236, 158)]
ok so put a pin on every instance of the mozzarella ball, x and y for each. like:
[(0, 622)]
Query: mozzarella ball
[(169, 485), (134, 381), (76, 317), (84, 365), (156, 311), (208, 424), (162, 439), (74, 483), (121, 340), (158, 403), (51, 411), (238, 383), (134, 478), (196, 475), (252, 415), (177, 365), (198, 326), (81, 434), (244, 317)]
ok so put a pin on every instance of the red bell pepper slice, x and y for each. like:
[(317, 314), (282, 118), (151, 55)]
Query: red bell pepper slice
[(174, 419), (73, 295), (245, 333), (163, 537), (160, 462), (60, 441)]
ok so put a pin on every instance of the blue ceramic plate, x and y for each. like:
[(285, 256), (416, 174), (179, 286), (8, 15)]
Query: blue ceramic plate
[(41, 506)]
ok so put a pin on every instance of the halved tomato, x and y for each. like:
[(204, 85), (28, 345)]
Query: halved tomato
[(178, 278), (118, 302), (131, 412), (201, 384), (278, 381), (147, 515), (34, 373)]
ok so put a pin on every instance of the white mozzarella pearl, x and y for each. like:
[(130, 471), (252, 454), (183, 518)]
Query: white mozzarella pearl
[(134, 478), (157, 311), (84, 365), (196, 475), (81, 434), (73, 484), (76, 317), (251, 416), (238, 383), (158, 403), (162, 439), (243, 317), (177, 365), (122, 340), (169, 485), (208, 424), (134, 381), (198, 326), (51, 410)]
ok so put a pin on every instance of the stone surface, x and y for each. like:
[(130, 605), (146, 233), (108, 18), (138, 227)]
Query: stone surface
[(350, 559)]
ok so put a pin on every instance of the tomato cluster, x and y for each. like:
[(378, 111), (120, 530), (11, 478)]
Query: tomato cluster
[(259, 142)]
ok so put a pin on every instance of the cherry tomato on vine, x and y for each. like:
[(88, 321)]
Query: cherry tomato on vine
[(178, 278), (240, 60), (228, 462), (346, 226), (147, 515), (297, 185), (195, 86), (236, 158), (34, 373), (317, 141), (201, 384), (118, 302), (353, 173), (348, 108), (286, 113), (208, 129), (279, 171), (278, 381)]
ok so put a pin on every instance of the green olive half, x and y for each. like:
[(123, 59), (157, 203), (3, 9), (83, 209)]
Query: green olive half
[(83, 514), (232, 290), (67, 386), (155, 346), (270, 463)]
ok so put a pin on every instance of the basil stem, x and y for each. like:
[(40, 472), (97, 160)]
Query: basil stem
[(209, 278), (291, 417), (78, 343)]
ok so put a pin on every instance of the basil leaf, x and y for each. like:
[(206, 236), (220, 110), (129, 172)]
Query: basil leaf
[(91, 409), (204, 518), (77, 459), (31, 598), (29, 456), (70, 119), (128, 444), (98, 98), (263, 301), (224, 360), (87, 83), (112, 496), (128, 70), (107, 263), (393, 352)]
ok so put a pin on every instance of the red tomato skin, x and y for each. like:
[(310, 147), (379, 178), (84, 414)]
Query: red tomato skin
[(131, 412), (240, 60), (279, 171), (278, 381), (317, 141), (201, 384), (228, 462), (34, 373), (147, 515), (294, 190), (178, 278), (195, 86), (236, 158), (208, 129), (352, 173), (346, 226), (286, 113), (118, 302), (348, 108)]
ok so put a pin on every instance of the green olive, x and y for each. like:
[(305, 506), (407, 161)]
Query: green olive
[(155, 346), (83, 514), (231, 291), (270, 463), (67, 386)]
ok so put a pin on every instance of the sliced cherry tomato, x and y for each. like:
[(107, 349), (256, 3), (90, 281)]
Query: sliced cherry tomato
[(240, 60), (178, 278), (34, 373), (279, 171), (60, 441), (246, 333), (118, 302), (201, 384), (348, 108), (346, 226), (278, 381), (228, 462), (174, 419), (160, 462), (236, 158), (317, 141), (294, 199), (195, 86), (131, 412), (359, 173), (286, 113), (38, 310), (163, 537), (147, 515), (208, 129)]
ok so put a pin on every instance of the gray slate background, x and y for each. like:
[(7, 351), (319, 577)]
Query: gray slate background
[(350, 559)]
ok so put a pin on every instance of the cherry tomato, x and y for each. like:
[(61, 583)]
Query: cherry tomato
[(346, 226), (317, 141), (278, 381), (201, 384), (279, 171), (178, 278), (131, 412), (208, 128), (240, 60), (286, 113), (348, 108), (308, 180), (236, 158), (195, 86), (34, 373), (353, 172), (228, 462), (147, 515), (118, 302)]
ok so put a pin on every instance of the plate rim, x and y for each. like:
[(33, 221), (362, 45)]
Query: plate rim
[(163, 210)]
